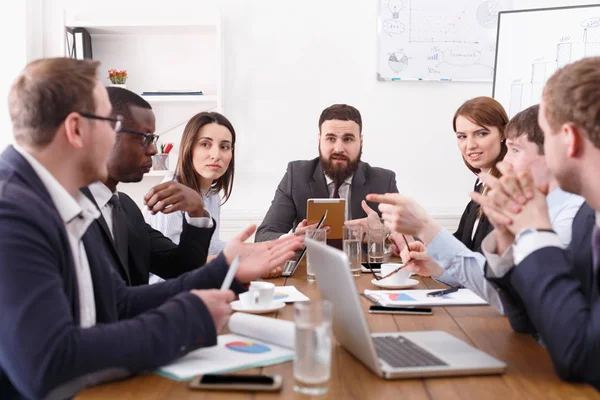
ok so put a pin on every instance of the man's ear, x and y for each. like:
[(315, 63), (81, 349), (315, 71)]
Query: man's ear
[(573, 139), (74, 123)]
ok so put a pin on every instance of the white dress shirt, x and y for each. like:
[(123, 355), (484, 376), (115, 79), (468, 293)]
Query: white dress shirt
[(77, 213), (102, 196), (343, 191)]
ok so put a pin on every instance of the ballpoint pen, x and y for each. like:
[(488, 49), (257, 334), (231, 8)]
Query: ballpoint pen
[(440, 293)]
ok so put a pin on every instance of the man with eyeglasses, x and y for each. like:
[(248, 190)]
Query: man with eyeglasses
[(68, 320), (137, 248)]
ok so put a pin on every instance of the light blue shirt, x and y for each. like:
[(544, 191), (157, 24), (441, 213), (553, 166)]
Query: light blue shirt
[(463, 267)]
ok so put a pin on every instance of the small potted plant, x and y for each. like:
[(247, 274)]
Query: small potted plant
[(117, 78)]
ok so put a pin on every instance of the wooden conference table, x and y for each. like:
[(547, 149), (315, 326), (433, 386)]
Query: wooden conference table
[(529, 374)]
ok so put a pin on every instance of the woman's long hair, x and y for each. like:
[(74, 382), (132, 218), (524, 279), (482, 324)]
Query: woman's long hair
[(185, 173), (485, 111)]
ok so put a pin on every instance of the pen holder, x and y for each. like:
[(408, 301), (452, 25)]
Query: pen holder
[(160, 162)]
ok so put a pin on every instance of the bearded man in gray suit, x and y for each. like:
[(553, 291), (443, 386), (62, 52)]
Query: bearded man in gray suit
[(337, 172)]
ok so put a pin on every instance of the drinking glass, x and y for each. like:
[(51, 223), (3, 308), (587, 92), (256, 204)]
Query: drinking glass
[(312, 364)]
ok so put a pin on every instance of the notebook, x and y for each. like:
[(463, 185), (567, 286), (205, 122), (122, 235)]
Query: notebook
[(255, 341), (404, 298)]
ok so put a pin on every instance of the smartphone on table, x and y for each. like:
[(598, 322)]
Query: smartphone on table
[(376, 309), (269, 383)]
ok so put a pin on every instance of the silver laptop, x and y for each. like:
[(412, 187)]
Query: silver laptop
[(390, 355)]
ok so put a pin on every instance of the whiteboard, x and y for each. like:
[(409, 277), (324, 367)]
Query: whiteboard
[(533, 44), (437, 40)]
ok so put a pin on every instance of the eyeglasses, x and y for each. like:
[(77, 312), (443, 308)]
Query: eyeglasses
[(149, 138), (115, 122)]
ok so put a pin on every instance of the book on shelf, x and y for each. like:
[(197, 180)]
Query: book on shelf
[(254, 341)]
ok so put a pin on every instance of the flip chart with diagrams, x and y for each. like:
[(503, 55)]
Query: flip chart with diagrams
[(438, 39)]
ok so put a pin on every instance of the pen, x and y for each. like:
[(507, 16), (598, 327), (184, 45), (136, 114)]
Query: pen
[(440, 293), (231, 273)]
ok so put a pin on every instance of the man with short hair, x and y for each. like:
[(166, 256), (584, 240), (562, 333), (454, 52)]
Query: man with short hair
[(68, 320), (136, 247), (549, 281), (337, 172)]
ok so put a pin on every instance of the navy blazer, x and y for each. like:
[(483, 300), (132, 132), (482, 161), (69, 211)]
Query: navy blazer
[(44, 353), (149, 250), (552, 292)]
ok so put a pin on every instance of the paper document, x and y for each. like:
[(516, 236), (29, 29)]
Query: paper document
[(255, 341), (403, 298), (289, 294)]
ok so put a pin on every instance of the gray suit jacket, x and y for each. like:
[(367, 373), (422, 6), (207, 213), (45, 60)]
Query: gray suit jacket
[(305, 180)]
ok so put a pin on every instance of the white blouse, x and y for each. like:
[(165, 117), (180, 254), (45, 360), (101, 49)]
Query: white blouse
[(171, 225)]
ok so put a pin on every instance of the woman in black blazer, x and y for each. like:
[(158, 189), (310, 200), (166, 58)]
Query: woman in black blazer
[(479, 126)]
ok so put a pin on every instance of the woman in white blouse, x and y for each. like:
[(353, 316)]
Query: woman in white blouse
[(206, 164)]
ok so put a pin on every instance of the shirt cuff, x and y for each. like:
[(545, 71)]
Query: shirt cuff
[(533, 241), (200, 222), (498, 265)]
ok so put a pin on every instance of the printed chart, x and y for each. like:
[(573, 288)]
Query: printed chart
[(438, 39), (248, 347)]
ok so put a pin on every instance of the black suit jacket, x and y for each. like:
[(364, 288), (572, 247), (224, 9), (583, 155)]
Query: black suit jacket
[(467, 222), (554, 292), (304, 180), (44, 352), (150, 251)]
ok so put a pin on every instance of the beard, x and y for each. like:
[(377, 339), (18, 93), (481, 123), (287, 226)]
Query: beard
[(339, 173)]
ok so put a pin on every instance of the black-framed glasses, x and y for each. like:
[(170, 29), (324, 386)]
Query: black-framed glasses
[(116, 122), (149, 138)]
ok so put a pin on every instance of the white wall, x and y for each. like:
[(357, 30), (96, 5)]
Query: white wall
[(286, 62), (13, 45), (21, 42)]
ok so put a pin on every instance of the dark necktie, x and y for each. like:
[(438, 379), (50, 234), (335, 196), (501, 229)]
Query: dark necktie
[(336, 191), (119, 229)]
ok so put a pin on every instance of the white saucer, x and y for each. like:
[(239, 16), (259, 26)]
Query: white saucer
[(388, 285), (275, 305)]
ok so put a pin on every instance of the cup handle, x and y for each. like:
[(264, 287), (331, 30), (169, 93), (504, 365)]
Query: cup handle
[(255, 297)]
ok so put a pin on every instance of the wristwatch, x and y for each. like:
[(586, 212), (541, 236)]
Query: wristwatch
[(527, 231)]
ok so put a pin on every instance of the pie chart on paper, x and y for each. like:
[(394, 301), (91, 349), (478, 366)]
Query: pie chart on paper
[(400, 297), (280, 296), (248, 347)]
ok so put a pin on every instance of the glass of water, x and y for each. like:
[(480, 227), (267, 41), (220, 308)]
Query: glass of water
[(312, 364), (320, 235), (377, 234), (352, 247)]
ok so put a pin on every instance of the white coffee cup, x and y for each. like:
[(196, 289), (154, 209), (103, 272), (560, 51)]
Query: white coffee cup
[(259, 295), (399, 278)]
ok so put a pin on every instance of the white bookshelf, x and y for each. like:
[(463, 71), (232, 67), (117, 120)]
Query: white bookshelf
[(200, 99), (166, 49)]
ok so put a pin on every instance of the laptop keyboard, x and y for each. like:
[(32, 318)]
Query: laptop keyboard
[(400, 352)]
